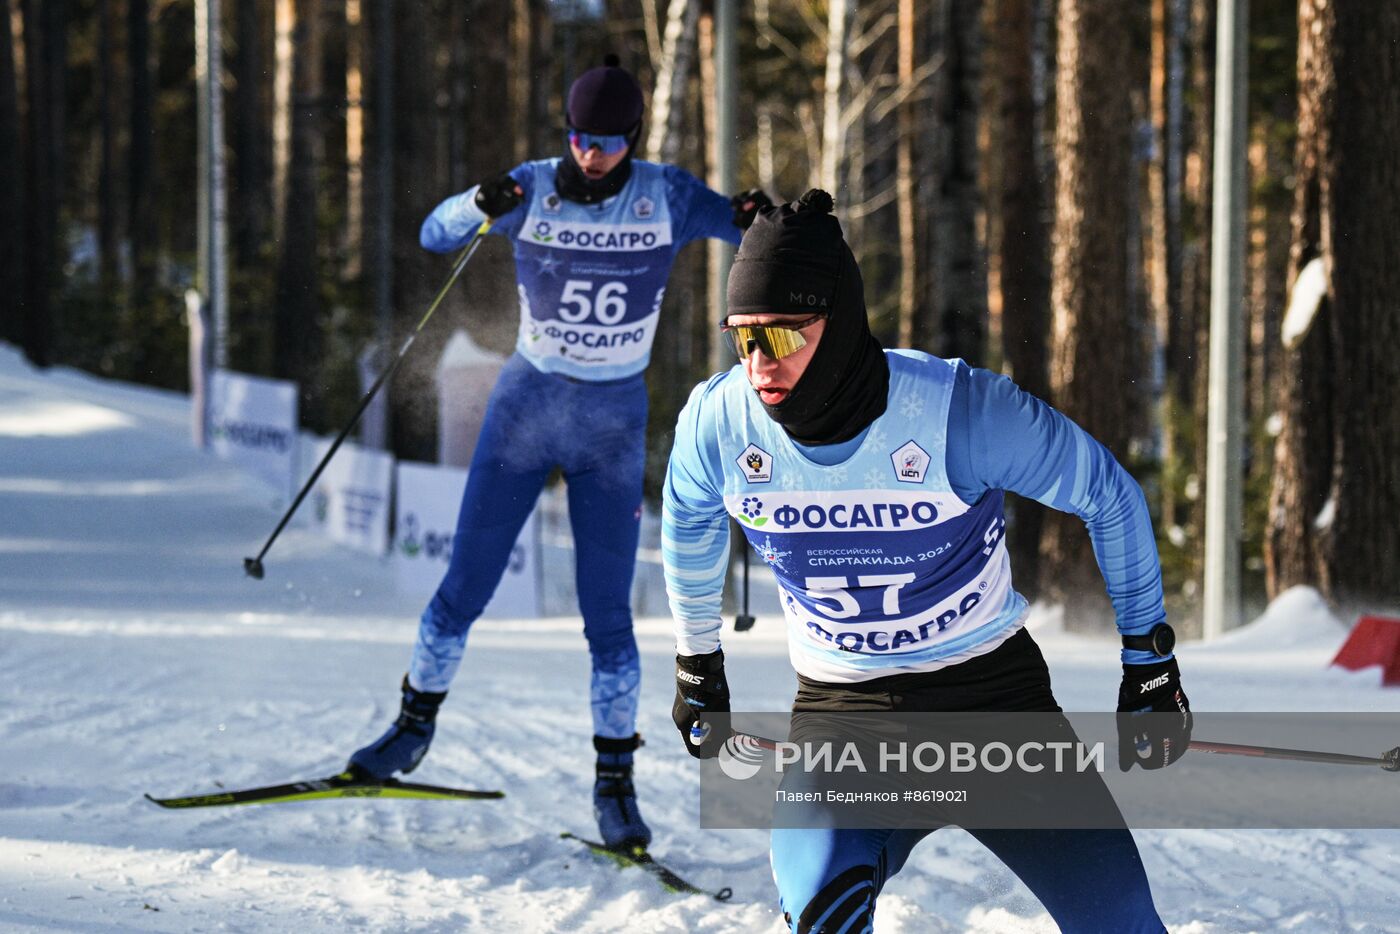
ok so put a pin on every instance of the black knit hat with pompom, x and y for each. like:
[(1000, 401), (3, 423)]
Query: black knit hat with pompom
[(794, 260), (790, 260)]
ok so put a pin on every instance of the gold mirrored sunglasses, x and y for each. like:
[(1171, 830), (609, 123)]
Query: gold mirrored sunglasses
[(775, 340)]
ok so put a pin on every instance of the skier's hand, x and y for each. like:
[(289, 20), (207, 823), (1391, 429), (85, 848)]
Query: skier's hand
[(701, 692), (499, 195), (406, 741), (747, 204), (1154, 716)]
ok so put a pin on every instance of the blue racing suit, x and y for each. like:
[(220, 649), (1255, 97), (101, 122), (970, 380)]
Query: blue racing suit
[(896, 587), (591, 280)]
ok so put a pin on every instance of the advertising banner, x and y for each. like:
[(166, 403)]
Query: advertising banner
[(428, 498), (253, 423), (350, 501)]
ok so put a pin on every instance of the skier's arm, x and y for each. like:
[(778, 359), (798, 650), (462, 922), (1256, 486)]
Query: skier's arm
[(699, 212), (1001, 437), (695, 530), (456, 219)]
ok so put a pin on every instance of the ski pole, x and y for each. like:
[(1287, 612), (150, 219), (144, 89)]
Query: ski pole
[(744, 621), (253, 567), (1390, 761)]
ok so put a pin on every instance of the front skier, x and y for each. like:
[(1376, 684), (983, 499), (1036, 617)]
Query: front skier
[(595, 234), (823, 443)]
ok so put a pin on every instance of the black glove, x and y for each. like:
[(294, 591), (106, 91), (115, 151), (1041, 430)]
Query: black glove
[(746, 205), (406, 741), (701, 690), (1154, 716), (499, 195)]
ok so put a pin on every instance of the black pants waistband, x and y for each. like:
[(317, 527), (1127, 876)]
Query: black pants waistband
[(1011, 677)]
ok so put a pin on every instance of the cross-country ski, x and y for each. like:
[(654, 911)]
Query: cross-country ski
[(639, 857), (344, 785)]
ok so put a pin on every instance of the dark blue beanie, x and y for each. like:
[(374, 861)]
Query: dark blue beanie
[(605, 100)]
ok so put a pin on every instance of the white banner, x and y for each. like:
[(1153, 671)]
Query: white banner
[(429, 498), (253, 423), (350, 501)]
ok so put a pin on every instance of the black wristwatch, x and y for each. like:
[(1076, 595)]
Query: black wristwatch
[(1160, 640)]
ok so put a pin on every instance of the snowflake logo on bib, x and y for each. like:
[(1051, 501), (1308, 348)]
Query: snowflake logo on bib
[(771, 554)]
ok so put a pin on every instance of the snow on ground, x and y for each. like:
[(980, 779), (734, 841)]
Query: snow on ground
[(135, 657)]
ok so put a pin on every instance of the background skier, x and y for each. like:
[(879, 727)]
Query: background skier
[(595, 233)]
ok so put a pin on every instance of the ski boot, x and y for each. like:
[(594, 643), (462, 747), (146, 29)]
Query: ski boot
[(614, 798)]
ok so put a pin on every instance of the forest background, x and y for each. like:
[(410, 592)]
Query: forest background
[(1026, 184)]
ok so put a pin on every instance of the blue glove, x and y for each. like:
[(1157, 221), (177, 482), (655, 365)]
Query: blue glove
[(405, 743)]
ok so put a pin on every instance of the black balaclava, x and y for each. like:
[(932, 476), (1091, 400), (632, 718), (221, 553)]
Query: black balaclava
[(607, 101), (794, 261)]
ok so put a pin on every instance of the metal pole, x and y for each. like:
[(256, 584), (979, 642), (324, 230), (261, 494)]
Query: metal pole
[(726, 161), (213, 201), (1390, 761), (721, 253), (1225, 399), (382, 256)]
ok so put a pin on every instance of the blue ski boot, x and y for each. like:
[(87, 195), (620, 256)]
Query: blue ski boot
[(406, 741), (614, 799)]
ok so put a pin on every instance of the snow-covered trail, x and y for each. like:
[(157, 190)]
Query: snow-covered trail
[(135, 656)]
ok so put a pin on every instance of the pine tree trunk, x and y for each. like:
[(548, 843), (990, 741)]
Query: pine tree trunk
[(108, 207), (251, 145), (524, 81), (907, 121), (962, 311), (12, 192), (491, 301), (1269, 164), (141, 162), (672, 78), (353, 243), (1304, 450), (45, 54), (1189, 347), (379, 200), (1090, 327), (283, 66), (1024, 261), (298, 305), (417, 187), (840, 15), (1361, 203)]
